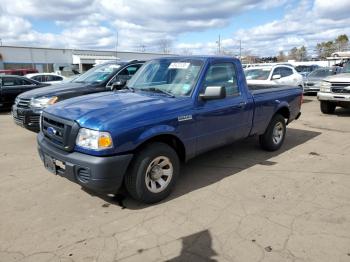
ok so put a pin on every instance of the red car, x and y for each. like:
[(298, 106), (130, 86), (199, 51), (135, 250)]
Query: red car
[(19, 72)]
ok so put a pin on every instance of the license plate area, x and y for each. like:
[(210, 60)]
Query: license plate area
[(54, 166), (50, 164)]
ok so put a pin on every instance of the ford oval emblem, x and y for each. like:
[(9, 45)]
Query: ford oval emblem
[(51, 131)]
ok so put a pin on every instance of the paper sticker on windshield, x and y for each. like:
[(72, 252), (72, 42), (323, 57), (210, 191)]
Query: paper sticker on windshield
[(178, 65)]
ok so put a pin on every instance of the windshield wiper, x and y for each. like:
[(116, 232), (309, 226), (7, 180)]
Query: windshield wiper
[(123, 88), (129, 88), (157, 90)]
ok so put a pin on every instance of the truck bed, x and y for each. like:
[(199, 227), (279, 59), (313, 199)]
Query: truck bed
[(268, 99)]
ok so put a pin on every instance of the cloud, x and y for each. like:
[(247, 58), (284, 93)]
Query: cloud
[(332, 10), (95, 23), (308, 23), (138, 22)]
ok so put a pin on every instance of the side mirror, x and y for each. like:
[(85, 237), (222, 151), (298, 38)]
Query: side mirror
[(213, 92), (276, 77), (118, 85)]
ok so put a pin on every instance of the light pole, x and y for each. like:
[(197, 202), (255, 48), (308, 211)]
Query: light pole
[(116, 47), (240, 49)]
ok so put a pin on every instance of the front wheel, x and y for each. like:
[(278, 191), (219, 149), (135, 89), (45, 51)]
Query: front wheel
[(274, 135), (327, 107), (153, 173)]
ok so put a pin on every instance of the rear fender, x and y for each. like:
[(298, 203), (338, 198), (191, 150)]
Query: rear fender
[(283, 106)]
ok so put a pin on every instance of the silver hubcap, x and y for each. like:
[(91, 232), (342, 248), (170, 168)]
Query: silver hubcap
[(158, 174), (277, 135)]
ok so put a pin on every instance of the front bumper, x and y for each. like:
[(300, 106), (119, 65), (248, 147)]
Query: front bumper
[(310, 89), (333, 97), (26, 118), (100, 174)]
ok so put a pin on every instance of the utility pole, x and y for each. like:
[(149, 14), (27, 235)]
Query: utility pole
[(116, 47), (219, 45), (240, 49)]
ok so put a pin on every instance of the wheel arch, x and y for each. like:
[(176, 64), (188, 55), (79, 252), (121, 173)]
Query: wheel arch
[(284, 111), (167, 138)]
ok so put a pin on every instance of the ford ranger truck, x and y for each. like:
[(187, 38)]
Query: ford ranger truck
[(172, 110)]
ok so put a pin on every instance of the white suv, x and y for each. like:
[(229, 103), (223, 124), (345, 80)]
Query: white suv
[(274, 75)]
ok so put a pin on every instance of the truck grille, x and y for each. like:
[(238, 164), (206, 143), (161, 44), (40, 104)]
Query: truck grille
[(341, 88), (34, 119), (23, 103), (59, 132)]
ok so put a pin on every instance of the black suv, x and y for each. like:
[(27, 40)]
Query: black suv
[(104, 77), (12, 86)]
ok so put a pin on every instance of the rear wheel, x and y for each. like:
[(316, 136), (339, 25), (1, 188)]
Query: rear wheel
[(153, 173), (274, 135), (327, 107)]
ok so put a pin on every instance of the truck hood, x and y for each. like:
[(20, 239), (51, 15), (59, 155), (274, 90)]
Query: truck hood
[(103, 111), (53, 90), (339, 78)]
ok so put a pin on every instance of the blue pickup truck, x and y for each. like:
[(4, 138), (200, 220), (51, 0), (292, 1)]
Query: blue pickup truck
[(172, 110)]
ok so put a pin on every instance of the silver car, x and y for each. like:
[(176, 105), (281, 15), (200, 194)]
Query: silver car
[(313, 81)]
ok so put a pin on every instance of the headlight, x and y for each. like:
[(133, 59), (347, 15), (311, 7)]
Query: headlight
[(92, 139), (325, 87), (43, 102)]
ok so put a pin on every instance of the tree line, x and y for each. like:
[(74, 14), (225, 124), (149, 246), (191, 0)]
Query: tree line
[(323, 50)]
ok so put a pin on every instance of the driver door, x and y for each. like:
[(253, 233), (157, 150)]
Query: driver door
[(218, 121)]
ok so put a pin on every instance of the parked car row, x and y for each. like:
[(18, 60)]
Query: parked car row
[(11, 86), (29, 105), (105, 133)]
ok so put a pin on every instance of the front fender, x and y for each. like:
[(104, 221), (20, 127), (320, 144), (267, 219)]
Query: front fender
[(156, 131)]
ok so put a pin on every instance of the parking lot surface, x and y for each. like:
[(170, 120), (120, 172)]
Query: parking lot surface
[(237, 203)]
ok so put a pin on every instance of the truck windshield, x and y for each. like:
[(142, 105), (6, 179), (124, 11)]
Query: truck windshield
[(171, 76), (97, 74), (257, 74)]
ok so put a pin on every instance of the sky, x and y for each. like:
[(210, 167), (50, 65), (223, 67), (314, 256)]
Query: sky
[(263, 27)]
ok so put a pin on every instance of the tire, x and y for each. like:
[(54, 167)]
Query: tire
[(274, 135), (152, 167), (327, 107)]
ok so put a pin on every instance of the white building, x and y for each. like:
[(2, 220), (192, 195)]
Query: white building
[(54, 59)]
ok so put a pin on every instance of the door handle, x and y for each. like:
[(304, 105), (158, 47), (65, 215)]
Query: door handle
[(240, 105)]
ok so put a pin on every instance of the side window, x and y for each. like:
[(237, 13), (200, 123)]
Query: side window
[(23, 82), (277, 71), (57, 78), (12, 81), (285, 71), (49, 78), (126, 73), (37, 78), (223, 74), (8, 81)]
